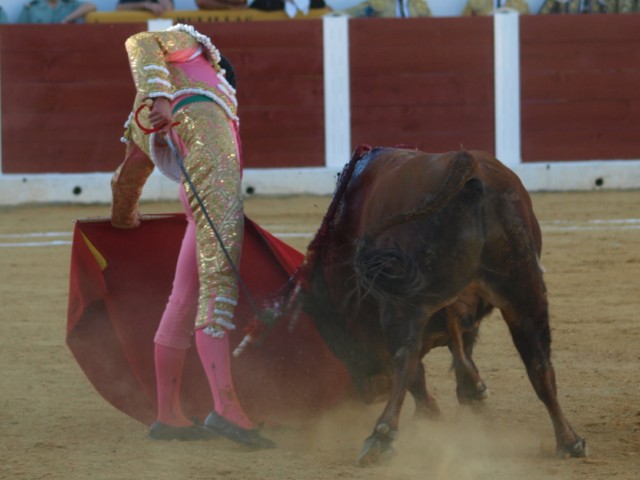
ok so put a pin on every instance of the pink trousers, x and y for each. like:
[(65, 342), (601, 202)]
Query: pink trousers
[(173, 337), (177, 323)]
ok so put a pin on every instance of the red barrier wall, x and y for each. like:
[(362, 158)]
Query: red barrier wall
[(580, 87), (280, 89), (426, 82), (67, 90), (66, 93)]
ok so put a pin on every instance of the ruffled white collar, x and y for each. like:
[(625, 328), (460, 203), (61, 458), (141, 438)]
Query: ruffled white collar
[(200, 38)]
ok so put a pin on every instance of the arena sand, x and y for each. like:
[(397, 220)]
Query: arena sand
[(53, 424)]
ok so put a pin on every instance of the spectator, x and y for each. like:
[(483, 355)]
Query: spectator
[(577, 6), (486, 7), (628, 6), (3, 16), (265, 5), (389, 9), (55, 11), (157, 7), (221, 4)]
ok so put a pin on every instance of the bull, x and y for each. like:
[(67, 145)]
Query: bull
[(414, 250)]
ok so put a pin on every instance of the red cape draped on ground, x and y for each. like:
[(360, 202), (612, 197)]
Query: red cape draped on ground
[(119, 283)]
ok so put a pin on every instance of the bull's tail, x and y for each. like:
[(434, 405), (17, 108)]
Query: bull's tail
[(390, 273), (463, 168)]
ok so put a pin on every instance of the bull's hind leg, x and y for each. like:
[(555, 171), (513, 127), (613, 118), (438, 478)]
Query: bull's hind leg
[(426, 405), (529, 326), (469, 385)]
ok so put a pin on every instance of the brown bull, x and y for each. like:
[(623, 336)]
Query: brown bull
[(414, 250)]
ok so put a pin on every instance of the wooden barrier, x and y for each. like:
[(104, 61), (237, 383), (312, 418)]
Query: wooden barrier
[(580, 95), (67, 90), (424, 82)]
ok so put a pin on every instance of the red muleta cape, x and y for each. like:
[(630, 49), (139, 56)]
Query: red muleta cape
[(119, 284)]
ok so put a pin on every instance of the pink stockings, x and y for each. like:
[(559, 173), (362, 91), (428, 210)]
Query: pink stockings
[(169, 362), (173, 338), (214, 355)]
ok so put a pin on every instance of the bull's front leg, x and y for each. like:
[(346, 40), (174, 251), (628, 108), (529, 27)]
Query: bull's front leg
[(405, 366)]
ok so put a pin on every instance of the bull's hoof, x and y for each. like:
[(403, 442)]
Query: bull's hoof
[(577, 450), (468, 395), (375, 450)]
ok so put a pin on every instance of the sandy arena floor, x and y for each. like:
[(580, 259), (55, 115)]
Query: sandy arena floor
[(53, 425)]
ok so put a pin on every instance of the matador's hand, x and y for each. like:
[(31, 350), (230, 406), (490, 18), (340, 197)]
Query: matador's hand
[(132, 220), (160, 115)]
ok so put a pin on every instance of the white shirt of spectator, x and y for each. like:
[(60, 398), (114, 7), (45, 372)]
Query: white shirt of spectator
[(292, 7)]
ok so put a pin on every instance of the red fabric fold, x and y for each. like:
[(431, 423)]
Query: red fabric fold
[(114, 311)]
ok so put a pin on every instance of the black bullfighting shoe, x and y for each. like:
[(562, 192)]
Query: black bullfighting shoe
[(250, 438), (162, 431)]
